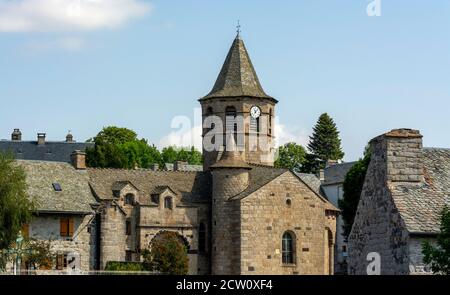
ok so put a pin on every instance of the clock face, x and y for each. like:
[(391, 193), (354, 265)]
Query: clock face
[(255, 112)]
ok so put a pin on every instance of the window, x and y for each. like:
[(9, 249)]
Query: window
[(61, 261), (254, 125), (57, 187), (231, 124), (288, 202), (209, 111), (168, 203), (288, 250), (270, 121), (128, 227), (66, 227), (129, 199), (202, 238)]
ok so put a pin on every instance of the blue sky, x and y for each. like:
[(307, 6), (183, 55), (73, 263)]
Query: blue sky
[(138, 64)]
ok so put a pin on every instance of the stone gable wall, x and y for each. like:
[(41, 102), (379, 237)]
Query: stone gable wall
[(378, 226), (265, 216)]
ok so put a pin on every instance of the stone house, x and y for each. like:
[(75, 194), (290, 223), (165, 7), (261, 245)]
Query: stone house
[(405, 189), (65, 211)]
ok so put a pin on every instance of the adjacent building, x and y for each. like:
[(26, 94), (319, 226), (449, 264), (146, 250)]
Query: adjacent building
[(405, 189)]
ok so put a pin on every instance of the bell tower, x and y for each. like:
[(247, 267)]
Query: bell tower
[(237, 104)]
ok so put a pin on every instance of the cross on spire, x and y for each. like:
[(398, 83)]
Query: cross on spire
[(238, 28)]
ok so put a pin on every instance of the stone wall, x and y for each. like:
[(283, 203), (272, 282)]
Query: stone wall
[(226, 230), (378, 226), (47, 227), (113, 241), (266, 216)]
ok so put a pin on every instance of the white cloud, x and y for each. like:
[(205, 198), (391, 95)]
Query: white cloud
[(286, 134), (183, 138), (186, 137), (67, 15)]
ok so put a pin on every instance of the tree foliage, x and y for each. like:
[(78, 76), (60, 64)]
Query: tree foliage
[(291, 156), (325, 143), (438, 257), (40, 256), (168, 254), (353, 185), (120, 148), (15, 204), (124, 266), (190, 155)]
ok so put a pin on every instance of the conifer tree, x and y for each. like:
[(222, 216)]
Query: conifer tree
[(325, 143)]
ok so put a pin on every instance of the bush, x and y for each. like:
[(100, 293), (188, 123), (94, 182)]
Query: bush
[(124, 266)]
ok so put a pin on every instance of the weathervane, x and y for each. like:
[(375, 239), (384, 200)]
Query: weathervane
[(238, 27)]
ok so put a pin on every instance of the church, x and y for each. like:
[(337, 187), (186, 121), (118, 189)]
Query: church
[(239, 215)]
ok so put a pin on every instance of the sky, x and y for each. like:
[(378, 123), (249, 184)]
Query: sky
[(81, 65)]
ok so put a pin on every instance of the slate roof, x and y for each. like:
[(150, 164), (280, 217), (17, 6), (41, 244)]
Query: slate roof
[(260, 175), (335, 174), (420, 205), (183, 167), (54, 151), (75, 197), (312, 181), (191, 187), (238, 76)]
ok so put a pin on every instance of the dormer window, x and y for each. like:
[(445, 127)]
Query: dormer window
[(168, 203), (129, 199)]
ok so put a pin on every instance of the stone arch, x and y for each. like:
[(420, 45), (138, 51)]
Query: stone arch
[(182, 238)]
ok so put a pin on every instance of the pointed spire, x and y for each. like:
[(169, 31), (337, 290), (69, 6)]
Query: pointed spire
[(238, 76), (231, 158)]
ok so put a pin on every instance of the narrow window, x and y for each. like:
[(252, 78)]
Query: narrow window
[(288, 251), (168, 203), (128, 227), (231, 124), (202, 238)]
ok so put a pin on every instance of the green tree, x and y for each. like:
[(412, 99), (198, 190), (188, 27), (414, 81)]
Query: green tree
[(353, 185), (311, 164), (190, 155), (40, 256), (167, 254), (15, 205), (325, 143), (438, 257), (120, 148), (291, 156)]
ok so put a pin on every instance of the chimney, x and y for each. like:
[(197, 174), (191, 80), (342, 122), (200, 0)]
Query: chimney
[(69, 137), (41, 138), (78, 159), (16, 135), (178, 165), (321, 175), (399, 153), (154, 167)]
